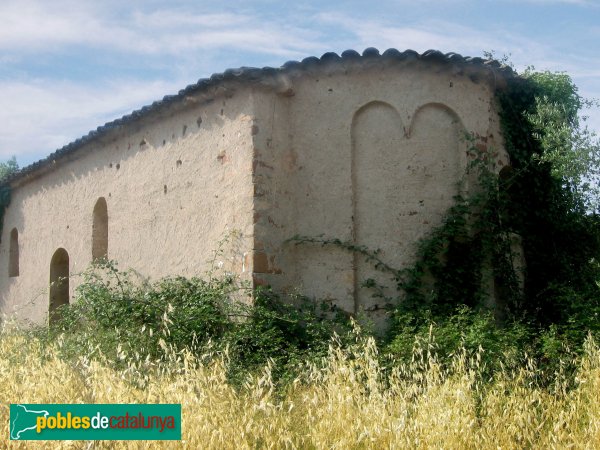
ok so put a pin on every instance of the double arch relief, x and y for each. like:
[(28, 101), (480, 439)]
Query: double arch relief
[(404, 178)]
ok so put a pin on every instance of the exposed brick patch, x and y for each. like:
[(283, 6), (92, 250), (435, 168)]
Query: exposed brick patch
[(260, 263), (259, 281)]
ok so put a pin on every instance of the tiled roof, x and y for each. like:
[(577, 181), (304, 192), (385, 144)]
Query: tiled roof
[(252, 74)]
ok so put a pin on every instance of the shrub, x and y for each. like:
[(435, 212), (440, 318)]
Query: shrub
[(347, 401), (119, 316)]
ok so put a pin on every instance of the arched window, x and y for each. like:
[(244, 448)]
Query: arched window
[(100, 231), (59, 282), (13, 254)]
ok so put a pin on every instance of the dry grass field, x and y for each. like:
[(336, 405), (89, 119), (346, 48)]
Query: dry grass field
[(347, 402)]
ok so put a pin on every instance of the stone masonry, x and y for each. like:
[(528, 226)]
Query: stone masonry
[(365, 148)]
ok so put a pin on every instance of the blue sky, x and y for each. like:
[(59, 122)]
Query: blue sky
[(67, 67)]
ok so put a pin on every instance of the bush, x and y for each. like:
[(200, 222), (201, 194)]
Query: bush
[(348, 401), (112, 311), (120, 317), (474, 331)]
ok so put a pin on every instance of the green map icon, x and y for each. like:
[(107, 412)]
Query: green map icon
[(105, 421), (23, 420)]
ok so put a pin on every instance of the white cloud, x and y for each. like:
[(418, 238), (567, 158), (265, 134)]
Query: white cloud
[(567, 2), (434, 34), (183, 39), (48, 113), (33, 25), (447, 36), (44, 117)]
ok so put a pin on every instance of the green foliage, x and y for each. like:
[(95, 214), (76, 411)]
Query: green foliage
[(571, 149), (456, 259), (288, 334), (120, 317), (118, 314), (473, 331), (8, 168), (547, 200)]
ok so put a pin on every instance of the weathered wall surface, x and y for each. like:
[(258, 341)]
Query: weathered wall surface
[(368, 150), (369, 154), (174, 186)]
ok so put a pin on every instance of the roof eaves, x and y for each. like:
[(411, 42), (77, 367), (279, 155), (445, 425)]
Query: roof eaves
[(252, 75)]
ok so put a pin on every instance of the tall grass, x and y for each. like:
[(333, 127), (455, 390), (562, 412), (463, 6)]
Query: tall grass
[(346, 401)]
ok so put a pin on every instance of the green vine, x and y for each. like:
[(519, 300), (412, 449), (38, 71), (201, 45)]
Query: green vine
[(7, 169), (545, 199), (549, 204), (453, 255), (4, 202)]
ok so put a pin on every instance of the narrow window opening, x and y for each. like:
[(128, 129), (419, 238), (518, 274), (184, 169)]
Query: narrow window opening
[(59, 283), (100, 231), (13, 261)]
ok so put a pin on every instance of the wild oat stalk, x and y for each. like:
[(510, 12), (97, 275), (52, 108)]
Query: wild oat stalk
[(346, 401)]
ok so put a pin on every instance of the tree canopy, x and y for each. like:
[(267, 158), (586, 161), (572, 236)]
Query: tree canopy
[(8, 168)]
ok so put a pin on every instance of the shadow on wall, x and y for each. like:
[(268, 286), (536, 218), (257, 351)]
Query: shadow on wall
[(13, 258), (404, 178), (100, 230), (59, 283)]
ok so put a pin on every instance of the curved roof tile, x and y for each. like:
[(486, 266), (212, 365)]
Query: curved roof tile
[(249, 74)]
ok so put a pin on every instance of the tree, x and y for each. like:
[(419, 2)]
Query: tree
[(8, 168), (572, 150)]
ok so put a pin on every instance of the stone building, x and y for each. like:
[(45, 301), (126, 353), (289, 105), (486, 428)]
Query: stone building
[(365, 148)]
